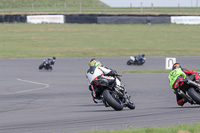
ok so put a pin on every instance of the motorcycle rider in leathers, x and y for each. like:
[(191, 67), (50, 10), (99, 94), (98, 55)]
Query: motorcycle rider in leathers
[(139, 58), (176, 79), (51, 61), (98, 71)]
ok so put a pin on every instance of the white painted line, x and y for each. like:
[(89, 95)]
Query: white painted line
[(24, 91)]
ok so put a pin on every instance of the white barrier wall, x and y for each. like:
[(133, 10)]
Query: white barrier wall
[(185, 19), (38, 19)]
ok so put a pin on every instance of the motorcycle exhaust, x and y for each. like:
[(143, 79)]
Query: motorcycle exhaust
[(187, 98)]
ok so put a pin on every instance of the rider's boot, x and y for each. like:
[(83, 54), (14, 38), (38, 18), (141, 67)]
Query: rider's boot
[(97, 99), (181, 102)]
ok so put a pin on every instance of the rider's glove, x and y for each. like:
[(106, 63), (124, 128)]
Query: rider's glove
[(197, 80), (112, 73)]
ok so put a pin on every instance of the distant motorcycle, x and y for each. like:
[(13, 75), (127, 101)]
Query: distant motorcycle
[(134, 60), (190, 91), (45, 65), (113, 95)]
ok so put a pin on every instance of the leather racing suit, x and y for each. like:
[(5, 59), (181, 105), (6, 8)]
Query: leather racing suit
[(94, 73), (176, 76)]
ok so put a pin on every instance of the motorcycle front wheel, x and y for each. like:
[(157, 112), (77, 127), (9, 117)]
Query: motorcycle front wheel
[(130, 105), (41, 66), (110, 97), (143, 61)]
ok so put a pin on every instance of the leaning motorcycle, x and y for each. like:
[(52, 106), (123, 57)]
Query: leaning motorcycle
[(134, 61), (114, 95), (190, 91), (45, 65)]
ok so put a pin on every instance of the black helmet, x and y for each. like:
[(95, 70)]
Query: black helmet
[(143, 55), (54, 57), (176, 65)]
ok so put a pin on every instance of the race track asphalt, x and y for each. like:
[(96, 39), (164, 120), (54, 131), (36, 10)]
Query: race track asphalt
[(58, 101)]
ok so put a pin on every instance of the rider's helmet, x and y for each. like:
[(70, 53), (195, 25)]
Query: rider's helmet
[(176, 65), (94, 62), (54, 57), (143, 55)]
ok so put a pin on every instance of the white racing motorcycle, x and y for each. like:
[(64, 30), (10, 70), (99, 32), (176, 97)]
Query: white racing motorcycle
[(113, 94)]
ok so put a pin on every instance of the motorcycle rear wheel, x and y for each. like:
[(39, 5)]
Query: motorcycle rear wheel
[(108, 97), (130, 105), (194, 95), (143, 61)]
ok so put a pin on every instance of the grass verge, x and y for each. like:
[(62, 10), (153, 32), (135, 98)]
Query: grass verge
[(144, 71), (149, 71), (187, 128)]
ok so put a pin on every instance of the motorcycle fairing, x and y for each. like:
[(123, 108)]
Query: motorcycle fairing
[(93, 72)]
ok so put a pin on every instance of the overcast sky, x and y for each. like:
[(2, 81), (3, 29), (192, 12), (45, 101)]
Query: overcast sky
[(156, 3)]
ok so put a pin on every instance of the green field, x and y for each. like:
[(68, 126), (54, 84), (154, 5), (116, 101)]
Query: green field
[(49, 4), (93, 40), (86, 6)]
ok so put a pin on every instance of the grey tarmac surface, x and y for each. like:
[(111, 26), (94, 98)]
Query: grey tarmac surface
[(40, 101)]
